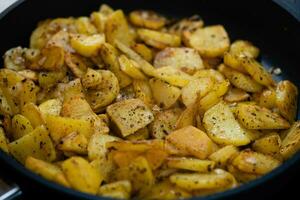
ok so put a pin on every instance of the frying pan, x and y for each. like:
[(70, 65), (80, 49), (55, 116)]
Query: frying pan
[(264, 23)]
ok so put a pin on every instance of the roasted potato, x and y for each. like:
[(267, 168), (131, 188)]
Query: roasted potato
[(143, 51), (147, 19), (224, 156), (291, 142), (119, 190), (191, 164), (269, 144), (20, 126)]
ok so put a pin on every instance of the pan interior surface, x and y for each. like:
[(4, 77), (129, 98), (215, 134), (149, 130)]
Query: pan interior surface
[(264, 23)]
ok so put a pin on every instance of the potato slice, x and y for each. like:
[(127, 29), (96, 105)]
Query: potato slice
[(186, 59), (148, 19), (141, 134), (74, 143), (110, 57), (60, 127), (164, 94), (286, 99), (52, 58), (138, 173), (224, 155), (33, 114), (269, 144), (105, 93), (97, 145), (46, 170), (191, 164), (236, 95), (257, 71), (291, 142), (240, 80), (241, 176), (47, 80), (37, 144), (81, 175), (233, 61), (187, 117), (129, 68), (187, 25), (136, 146), (252, 162), (130, 115), (196, 89), (116, 28), (91, 79), (222, 127), (196, 181), (76, 64), (20, 126), (243, 47), (146, 67), (158, 39), (143, 51), (118, 190), (210, 41), (84, 26), (50, 107), (267, 99), (28, 93), (87, 45), (143, 91), (3, 141), (164, 123), (210, 73), (256, 117), (173, 76), (191, 140)]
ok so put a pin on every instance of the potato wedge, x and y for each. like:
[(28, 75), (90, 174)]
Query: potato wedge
[(74, 142), (76, 64), (196, 181), (33, 114), (81, 175), (256, 117), (191, 164), (52, 58), (143, 91), (236, 95), (267, 99), (269, 145), (186, 59), (195, 89), (20, 126), (286, 99), (50, 107), (240, 80), (47, 170), (224, 156), (187, 117), (210, 73), (129, 68), (118, 190), (147, 19), (37, 144), (210, 41), (222, 127), (60, 127), (164, 94), (291, 142), (130, 115), (233, 61), (243, 47), (252, 162), (164, 123), (91, 79), (191, 140), (241, 176), (143, 51), (28, 93), (116, 28), (87, 45), (84, 26), (141, 134)]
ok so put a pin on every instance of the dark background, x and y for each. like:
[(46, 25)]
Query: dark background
[(264, 23)]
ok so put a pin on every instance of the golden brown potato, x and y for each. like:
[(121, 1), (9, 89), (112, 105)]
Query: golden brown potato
[(191, 164), (236, 95), (143, 91), (291, 142), (252, 162), (33, 114), (165, 95), (37, 144), (130, 115), (148, 19), (141, 134), (267, 98), (91, 79), (256, 117), (191, 140), (187, 117), (119, 190), (241, 176), (186, 59), (222, 127), (210, 73), (196, 181), (243, 47), (196, 89), (270, 144), (3, 141), (143, 51), (210, 41), (130, 68), (87, 45), (81, 175), (20, 126), (158, 39), (73, 143), (47, 170), (224, 156), (186, 25), (286, 99), (84, 26), (164, 123), (240, 80), (233, 61), (116, 28), (173, 76), (76, 64)]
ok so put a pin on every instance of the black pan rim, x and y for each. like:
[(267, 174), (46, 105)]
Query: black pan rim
[(14, 164)]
